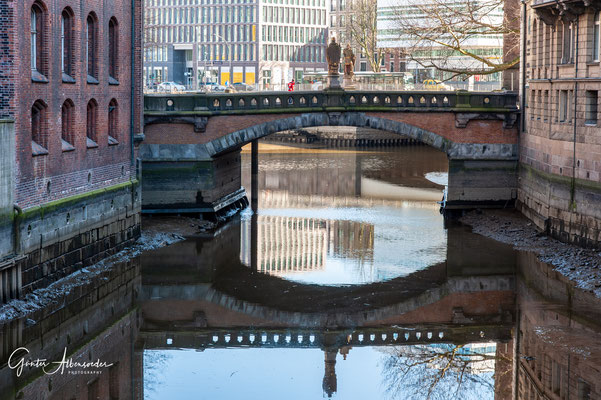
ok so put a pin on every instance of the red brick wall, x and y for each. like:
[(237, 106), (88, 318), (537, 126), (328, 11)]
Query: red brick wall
[(68, 171), (442, 124), (7, 68)]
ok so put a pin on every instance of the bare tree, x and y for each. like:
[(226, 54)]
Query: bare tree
[(462, 38), (439, 371), (362, 26)]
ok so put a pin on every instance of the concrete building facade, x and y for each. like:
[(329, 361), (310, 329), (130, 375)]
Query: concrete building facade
[(560, 147), (71, 103), (200, 42)]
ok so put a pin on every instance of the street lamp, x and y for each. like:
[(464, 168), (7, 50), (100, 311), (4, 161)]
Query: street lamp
[(231, 56)]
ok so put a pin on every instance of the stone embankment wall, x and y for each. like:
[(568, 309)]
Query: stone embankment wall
[(55, 239)]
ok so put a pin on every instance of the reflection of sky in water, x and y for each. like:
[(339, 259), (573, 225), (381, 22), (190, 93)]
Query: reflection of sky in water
[(405, 240), (251, 373)]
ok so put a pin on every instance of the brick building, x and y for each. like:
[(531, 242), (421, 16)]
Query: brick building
[(560, 149), (71, 106)]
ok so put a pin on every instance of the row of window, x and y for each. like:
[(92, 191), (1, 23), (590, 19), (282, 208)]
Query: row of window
[(341, 5), (163, 3), (293, 34), (195, 34), (288, 15), (204, 15), (40, 125), (221, 52), (169, 3), (41, 40), (540, 106), (541, 40), (293, 53)]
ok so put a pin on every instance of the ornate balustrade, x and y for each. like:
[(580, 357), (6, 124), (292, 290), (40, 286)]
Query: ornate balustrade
[(208, 104)]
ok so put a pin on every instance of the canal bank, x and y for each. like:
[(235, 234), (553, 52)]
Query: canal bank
[(582, 267)]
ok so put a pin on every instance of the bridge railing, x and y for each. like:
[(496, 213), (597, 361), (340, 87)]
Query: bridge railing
[(225, 103)]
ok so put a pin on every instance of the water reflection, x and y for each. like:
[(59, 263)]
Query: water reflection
[(456, 316), (347, 217)]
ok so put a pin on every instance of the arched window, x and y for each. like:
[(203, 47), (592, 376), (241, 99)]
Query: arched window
[(39, 128), (113, 49), (113, 122), (67, 53), (91, 124), (596, 36), (67, 120), (39, 52), (92, 47)]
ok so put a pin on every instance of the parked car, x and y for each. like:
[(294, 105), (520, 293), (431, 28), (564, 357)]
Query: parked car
[(434, 84), (243, 87), (171, 87)]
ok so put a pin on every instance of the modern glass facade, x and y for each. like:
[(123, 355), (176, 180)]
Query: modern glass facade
[(194, 42)]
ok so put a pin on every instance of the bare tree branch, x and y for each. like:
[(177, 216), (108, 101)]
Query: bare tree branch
[(458, 37)]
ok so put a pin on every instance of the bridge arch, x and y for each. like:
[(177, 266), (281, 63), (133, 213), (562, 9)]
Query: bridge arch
[(453, 149)]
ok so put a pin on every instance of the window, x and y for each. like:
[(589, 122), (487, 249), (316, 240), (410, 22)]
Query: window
[(363, 66), (91, 122), (39, 62), (545, 105), (113, 49), (92, 48), (563, 105), (391, 66), (596, 36), (67, 120), (568, 41), (39, 128), (67, 53), (592, 102), (113, 122)]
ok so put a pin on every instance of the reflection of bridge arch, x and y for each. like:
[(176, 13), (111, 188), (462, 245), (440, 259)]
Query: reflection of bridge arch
[(489, 293)]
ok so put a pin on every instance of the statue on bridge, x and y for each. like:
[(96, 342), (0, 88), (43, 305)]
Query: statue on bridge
[(333, 59), (349, 67), (349, 62)]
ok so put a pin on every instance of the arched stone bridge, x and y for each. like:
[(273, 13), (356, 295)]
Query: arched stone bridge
[(476, 130)]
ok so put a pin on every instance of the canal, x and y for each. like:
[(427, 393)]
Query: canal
[(345, 283)]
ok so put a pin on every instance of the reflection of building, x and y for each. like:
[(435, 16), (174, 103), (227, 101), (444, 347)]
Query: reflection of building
[(252, 41), (287, 244), (296, 244)]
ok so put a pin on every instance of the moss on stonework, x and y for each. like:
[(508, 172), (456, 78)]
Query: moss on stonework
[(49, 208), (562, 180)]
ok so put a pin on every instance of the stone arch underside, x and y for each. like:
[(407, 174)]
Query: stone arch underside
[(454, 150)]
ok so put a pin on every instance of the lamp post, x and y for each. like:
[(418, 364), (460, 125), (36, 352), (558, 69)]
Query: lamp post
[(231, 56)]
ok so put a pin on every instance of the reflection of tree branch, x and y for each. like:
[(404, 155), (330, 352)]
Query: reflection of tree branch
[(434, 371)]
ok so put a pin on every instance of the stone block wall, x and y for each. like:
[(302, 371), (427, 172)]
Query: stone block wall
[(61, 237), (560, 147)]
